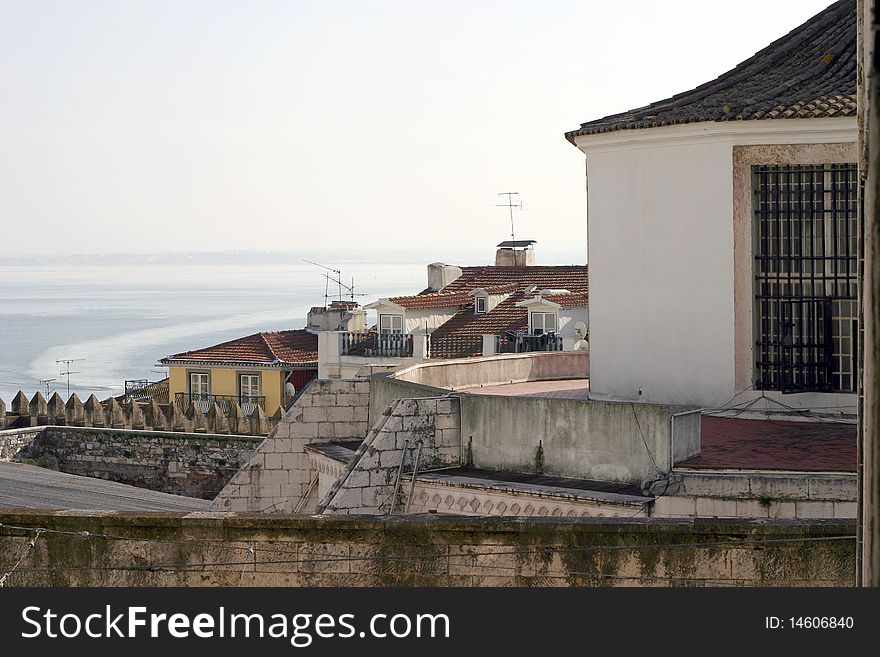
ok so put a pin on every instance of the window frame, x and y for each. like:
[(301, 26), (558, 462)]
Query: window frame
[(391, 320), (804, 251), (241, 387), (207, 383), (544, 314), (481, 301)]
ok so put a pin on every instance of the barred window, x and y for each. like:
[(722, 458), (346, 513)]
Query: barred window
[(806, 243)]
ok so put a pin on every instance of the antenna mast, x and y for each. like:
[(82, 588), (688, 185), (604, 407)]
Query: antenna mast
[(510, 205), (66, 371)]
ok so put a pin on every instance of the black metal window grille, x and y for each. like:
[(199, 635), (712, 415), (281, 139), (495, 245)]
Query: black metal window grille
[(806, 243)]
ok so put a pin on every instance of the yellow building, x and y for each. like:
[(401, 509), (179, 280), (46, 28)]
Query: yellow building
[(263, 369)]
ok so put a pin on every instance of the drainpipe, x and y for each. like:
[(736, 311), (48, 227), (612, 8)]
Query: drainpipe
[(672, 433)]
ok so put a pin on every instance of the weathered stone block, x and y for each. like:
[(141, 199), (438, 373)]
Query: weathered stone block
[(340, 414), (302, 430), (350, 429), (273, 461), (812, 509), (446, 421), (447, 406), (710, 507), (315, 414), (326, 430)]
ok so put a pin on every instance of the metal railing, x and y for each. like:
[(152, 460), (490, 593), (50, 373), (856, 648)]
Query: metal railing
[(521, 343), (144, 390), (388, 345), (204, 402)]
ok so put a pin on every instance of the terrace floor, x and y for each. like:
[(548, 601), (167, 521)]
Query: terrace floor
[(737, 444), (733, 443)]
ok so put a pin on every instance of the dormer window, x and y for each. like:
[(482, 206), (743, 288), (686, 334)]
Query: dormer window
[(480, 304), (390, 324), (541, 323)]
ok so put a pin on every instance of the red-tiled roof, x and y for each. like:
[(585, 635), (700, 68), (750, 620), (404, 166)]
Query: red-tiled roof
[(296, 347), (568, 300), (569, 277), (432, 300), (461, 335)]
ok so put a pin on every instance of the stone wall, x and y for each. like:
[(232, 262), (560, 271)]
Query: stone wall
[(280, 477), (196, 465), (203, 549), (423, 433)]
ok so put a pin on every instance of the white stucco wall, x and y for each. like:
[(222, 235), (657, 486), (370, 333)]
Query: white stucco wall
[(414, 320), (661, 249)]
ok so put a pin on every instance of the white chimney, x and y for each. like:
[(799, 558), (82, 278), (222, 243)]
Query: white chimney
[(519, 253), (440, 275), (340, 316)]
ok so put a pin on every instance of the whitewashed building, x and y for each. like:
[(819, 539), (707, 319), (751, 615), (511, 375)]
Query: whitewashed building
[(512, 306), (722, 233)]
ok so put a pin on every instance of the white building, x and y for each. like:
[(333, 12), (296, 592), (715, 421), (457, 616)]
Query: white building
[(511, 306), (722, 233)]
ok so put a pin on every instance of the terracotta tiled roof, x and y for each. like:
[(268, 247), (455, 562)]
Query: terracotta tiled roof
[(433, 300), (296, 347), (462, 334), (569, 277), (808, 73), (568, 300)]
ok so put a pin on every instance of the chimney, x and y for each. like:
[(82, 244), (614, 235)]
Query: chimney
[(339, 316), (519, 253), (440, 275)]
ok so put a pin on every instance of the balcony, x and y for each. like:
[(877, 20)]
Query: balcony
[(144, 390), (383, 345), (523, 343), (204, 402)]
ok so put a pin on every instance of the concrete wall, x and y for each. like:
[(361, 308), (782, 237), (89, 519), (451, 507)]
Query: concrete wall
[(413, 433), (604, 441), (429, 551), (494, 370), (196, 465), (661, 254), (280, 476)]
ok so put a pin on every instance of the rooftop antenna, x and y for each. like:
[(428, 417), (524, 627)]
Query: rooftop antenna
[(66, 371), (510, 205), (46, 383), (337, 280)]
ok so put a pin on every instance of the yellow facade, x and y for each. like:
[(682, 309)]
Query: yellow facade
[(224, 381)]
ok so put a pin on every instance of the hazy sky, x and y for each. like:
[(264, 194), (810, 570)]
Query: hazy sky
[(206, 125)]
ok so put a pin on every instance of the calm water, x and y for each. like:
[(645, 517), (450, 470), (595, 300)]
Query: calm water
[(121, 319)]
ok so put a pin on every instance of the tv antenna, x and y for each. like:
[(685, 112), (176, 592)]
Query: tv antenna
[(510, 205), (335, 277), (66, 371), (46, 382)]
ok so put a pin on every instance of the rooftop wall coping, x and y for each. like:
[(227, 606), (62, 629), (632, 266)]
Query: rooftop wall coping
[(683, 527)]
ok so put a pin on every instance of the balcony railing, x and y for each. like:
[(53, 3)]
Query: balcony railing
[(455, 346), (204, 403), (372, 345), (144, 390), (519, 343)]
